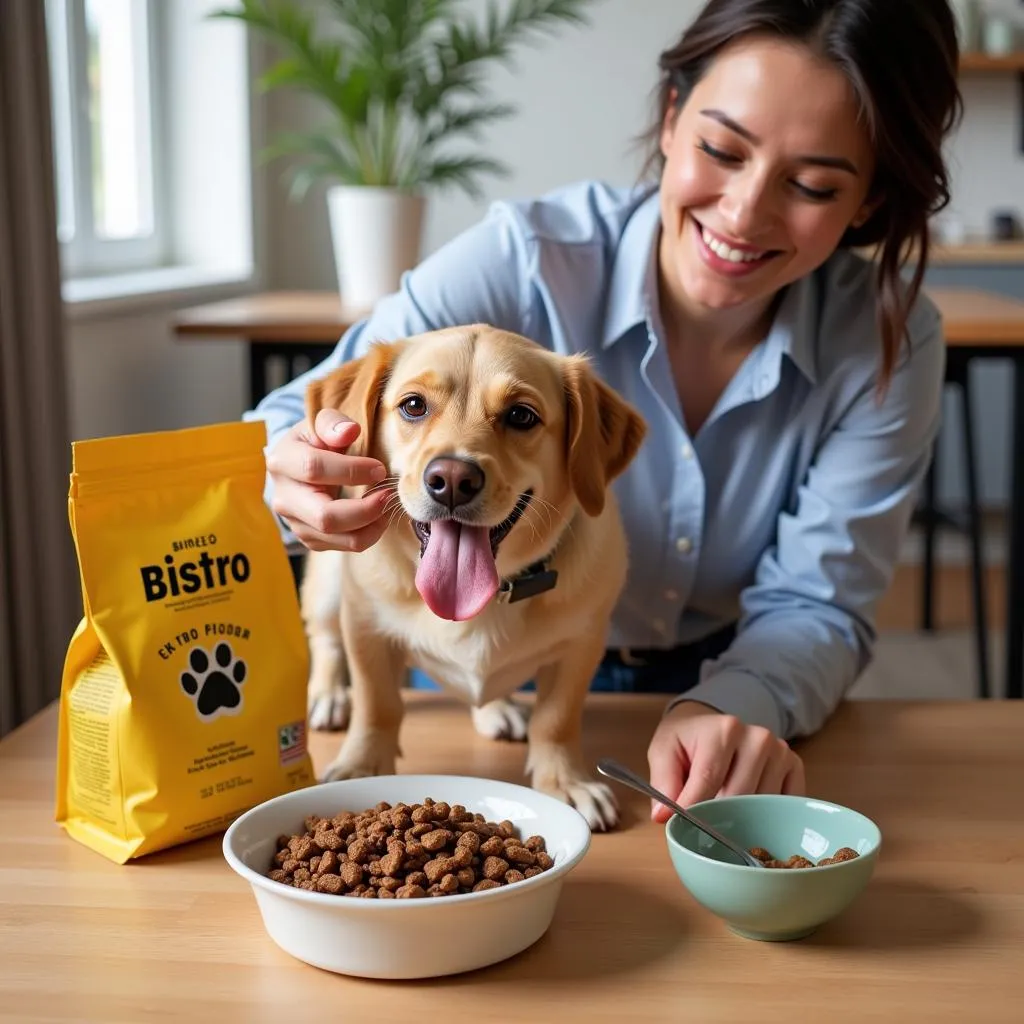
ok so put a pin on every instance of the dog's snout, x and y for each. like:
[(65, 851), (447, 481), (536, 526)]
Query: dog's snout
[(453, 481)]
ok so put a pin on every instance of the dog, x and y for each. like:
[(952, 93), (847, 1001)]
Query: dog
[(504, 555)]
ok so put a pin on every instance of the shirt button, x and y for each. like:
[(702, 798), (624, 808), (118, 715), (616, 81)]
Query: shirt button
[(687, 451), (671, 595), (684, 545)]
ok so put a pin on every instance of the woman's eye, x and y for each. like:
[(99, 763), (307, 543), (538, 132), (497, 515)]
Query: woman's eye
[(413, 407), (819, 195), (521, 417), (717, 154)]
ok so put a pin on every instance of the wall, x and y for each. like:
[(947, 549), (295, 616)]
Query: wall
[(582, 97)]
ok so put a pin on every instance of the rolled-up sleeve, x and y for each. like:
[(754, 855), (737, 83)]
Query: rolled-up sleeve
[(807, 623)]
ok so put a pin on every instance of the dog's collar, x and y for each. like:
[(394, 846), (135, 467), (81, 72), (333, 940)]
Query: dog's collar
[(533, 580)]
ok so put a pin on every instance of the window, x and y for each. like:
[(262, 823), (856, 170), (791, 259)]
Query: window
[(111, 209)]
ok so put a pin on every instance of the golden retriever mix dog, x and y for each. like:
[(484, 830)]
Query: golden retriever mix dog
[(504, 556)]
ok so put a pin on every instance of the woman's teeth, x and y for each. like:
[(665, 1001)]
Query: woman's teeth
[(720, 249)]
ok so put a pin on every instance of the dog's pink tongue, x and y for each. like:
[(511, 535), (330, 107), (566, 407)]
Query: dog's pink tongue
[(456, 576)]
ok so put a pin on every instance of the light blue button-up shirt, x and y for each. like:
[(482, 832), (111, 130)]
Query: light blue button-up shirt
[(785, 513)]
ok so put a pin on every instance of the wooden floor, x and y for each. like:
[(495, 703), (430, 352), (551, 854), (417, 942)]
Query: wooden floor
[(900, 609), (912, 665)]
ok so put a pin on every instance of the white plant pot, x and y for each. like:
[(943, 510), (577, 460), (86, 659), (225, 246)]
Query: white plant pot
[(376, 234)]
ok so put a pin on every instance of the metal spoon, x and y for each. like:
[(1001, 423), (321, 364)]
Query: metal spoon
[(620, 773)]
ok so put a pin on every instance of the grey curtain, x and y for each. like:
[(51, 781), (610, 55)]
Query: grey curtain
[(39, 593)]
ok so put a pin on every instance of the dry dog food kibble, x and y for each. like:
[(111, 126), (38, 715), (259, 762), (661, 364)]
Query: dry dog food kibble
[(407, 852), (796, 861)]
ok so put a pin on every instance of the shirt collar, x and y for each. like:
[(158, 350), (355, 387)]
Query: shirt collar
[(633, 286), (793, 330), (633, 294)]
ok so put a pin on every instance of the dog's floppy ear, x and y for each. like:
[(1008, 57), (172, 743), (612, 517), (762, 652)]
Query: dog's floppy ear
[(603, 433), (355, 389)]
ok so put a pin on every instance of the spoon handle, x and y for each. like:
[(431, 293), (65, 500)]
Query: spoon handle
[(620, 773)]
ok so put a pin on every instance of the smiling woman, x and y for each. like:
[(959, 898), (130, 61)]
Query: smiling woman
[(791, 389)]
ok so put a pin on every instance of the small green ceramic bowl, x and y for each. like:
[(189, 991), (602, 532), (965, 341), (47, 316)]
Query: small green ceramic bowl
[(774, 903)]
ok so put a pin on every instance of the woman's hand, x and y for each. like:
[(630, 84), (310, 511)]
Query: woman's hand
[(697, 754), (307, 466)]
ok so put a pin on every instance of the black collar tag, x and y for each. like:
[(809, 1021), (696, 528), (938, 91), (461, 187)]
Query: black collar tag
[(537, 579)]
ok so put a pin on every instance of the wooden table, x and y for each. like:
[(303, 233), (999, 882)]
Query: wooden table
[(937, 936), (299, 328)]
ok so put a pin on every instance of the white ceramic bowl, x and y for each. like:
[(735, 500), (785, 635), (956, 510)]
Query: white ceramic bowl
[(421, 938)]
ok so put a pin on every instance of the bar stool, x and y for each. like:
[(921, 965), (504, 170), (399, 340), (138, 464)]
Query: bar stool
[(932, 517)]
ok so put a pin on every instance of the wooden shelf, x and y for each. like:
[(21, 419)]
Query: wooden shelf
[(978, 252), (982, 63)]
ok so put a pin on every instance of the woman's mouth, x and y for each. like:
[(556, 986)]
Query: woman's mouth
[(732, 260)]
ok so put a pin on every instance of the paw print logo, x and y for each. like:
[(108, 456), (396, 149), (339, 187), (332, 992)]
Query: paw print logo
[(214, 686)]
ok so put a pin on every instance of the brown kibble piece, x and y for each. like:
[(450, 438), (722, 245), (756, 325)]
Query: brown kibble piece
[(495, 868), (359, 850), (351, 873), (330, 883), (796, 861), (466, 877), (410, 892), (486, 883), (513, 875), (436, 840), (520, 855), (278, 875), (329, 863), (492, 847), (305, 848)]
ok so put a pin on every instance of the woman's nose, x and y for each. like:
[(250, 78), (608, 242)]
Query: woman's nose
[(746, 207)]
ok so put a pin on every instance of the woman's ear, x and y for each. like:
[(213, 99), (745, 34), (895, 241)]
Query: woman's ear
[(355, 389), (868, 209), (603, 434), (668, 122)]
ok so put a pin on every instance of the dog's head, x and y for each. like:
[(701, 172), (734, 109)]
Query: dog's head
[(492, 442)]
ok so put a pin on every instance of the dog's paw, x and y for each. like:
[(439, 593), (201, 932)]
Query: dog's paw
[(502, 720), (555, 772), (329, 712), (363, 756), (593, 799)]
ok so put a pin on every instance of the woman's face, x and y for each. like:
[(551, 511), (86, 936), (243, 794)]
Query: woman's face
[(766, 166)]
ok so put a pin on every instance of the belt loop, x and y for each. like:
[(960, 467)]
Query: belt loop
[(627, 658)]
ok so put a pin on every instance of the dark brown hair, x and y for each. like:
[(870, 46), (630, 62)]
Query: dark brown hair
[(901, 58)]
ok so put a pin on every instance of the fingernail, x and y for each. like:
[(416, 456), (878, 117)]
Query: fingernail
[(378, 473), (339, 428)]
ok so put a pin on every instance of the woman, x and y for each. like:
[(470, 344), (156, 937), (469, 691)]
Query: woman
[(792, 389)]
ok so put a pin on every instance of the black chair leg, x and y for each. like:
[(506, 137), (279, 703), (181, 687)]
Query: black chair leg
[(928, 519), (974, 526)]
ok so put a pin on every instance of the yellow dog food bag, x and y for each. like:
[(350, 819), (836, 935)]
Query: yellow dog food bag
[(183, 699)]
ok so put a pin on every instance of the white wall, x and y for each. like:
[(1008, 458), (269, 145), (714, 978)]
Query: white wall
[(582, 97)]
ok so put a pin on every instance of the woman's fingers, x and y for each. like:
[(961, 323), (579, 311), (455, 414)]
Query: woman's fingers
[(318, 514)]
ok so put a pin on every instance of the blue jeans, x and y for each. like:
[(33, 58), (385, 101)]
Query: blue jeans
[(671, 671)]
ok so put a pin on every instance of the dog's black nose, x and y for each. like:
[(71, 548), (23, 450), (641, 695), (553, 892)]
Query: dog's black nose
[(452, 481)]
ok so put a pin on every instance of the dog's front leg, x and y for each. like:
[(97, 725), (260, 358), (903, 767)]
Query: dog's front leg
[(327, 693), (376, 671), (555, 759)]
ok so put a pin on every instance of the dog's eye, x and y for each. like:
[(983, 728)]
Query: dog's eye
[(413, 407), (521, 417)]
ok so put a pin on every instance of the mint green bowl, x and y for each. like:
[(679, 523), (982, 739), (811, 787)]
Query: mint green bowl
[(774, 903)]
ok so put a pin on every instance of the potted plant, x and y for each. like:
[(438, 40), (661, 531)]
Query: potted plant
[(400, 81)]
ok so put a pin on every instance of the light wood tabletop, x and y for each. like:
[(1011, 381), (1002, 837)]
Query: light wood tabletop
[(971, 317), (937, 936)]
